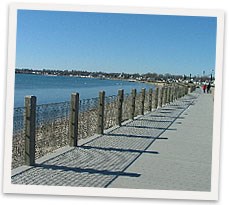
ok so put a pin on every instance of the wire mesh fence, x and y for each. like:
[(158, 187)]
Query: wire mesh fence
[(52, 127), (146, 101), (111, 110), (53, 121), (138, 104), (126, 105), (154, 100), (18, 147), (88, 117)]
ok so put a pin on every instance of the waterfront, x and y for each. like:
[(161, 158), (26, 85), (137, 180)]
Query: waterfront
[(154, 151), (51, 89)]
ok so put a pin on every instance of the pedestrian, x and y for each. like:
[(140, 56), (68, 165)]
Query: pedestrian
[(204, 87), (208, 87)]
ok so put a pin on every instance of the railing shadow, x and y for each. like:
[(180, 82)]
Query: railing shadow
[(165, 112), (119, 150), (87, 170), (166, 116), (148, 120), (152, 127), (128, 155), (130, 136)]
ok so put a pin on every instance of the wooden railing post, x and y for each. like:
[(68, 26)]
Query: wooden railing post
[(187, 90), (168, 95), (74, 111), (156, 97), (171, 94), (119, 107), (183, 91), (178, 92), (150, 99), (165, 96), (133, 93), (142, 101), (101, 108), (30, 120), (161, 96), (175, 93)]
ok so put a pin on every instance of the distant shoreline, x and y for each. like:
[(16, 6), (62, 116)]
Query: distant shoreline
[(150, 77)]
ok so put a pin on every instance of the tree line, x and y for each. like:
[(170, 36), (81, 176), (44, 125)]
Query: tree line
[(98, 74)]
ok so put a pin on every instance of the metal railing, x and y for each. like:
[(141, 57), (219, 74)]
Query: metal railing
[(52, 127), (41, 129), (87, 119), (18, 141)]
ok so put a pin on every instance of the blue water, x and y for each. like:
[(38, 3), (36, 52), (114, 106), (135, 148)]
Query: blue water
[(52, 89)]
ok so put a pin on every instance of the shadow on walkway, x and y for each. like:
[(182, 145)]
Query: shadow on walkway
[(85, 170), (107, 157), (148, 120), (148, 127), (119, 150)]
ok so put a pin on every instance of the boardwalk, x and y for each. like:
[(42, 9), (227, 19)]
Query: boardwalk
[(167, 149)]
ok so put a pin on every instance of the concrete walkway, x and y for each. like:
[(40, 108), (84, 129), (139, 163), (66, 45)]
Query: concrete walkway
[(168, 149)]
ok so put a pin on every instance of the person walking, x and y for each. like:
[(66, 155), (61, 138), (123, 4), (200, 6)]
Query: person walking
[(208, 87), (204, 87)]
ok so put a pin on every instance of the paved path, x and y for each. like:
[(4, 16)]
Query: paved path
[(168, 149)]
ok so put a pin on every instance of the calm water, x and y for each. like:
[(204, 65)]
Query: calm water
[(51, 89)]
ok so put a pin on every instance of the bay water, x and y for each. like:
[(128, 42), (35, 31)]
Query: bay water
[(53, 89)]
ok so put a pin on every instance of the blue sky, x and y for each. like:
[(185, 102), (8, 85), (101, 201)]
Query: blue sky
[(130, 43)]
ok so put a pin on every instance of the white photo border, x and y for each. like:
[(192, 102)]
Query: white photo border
[(112, 192)]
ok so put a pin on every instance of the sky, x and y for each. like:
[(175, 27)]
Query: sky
[(109, 42)]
